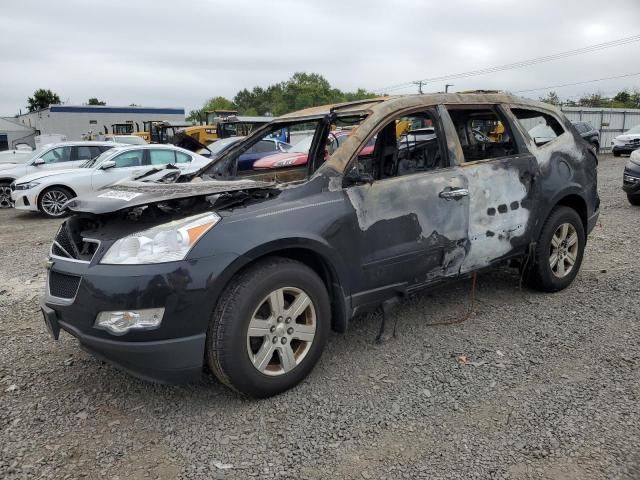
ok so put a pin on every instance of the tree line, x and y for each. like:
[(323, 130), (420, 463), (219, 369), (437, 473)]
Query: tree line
[(623, 99), (302, 90)]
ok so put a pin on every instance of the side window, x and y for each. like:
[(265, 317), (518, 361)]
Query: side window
[(404, 146), (541, 127), (57, 155), (132, 158), (97, 151), (482, 132), (182, 157), (86, 153), (162, 157), (263, 146)]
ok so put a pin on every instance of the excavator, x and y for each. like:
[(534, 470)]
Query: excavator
[(160, 131)]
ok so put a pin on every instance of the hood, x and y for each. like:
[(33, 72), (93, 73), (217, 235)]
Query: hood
[(14, 156), (128, 193), (635, 157), (9, 166), (51, 173), (292, 159), (628, 136)]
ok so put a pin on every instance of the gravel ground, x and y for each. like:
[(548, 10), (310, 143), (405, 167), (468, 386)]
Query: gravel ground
[(530, 386)]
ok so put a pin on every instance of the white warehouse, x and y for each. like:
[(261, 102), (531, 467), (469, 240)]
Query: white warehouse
[(74, 121)]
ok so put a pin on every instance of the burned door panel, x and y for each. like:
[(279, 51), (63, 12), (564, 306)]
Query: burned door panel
[(500, 194), (410, 233)]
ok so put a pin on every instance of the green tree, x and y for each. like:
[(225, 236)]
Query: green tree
[(42, 99), (552, 98), (302, 90), (95, 101)]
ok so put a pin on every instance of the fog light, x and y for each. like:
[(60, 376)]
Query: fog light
[(120, 322)]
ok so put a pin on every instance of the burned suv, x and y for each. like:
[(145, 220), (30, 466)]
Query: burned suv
[(246, 271)]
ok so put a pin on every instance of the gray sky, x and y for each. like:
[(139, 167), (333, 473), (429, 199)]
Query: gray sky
[(178, 53)]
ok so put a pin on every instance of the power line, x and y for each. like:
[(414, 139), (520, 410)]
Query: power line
[(577, 83), (520, 64)]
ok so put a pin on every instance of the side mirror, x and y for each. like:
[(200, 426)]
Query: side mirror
[(107, 165), (38, 161)]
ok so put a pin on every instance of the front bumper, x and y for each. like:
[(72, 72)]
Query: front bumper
[(24, 200), (165, 361), (625, 148), (631, 179), (171, 353)]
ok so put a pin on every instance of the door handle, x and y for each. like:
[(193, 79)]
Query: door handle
[(454, 194)]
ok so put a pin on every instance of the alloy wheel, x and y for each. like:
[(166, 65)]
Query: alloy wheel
[(564, 250), (53, 201), (281, 331), (5, 196)]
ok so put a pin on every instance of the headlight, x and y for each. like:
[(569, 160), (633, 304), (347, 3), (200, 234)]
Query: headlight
[(165, 243), (26, 186)]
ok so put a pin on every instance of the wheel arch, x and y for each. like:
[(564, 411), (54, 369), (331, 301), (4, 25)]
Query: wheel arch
[(7, 180), (315, 255), (60, 185), (571, 198)]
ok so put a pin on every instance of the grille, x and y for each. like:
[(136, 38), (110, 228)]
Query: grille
[(64, 245), (62, 285)]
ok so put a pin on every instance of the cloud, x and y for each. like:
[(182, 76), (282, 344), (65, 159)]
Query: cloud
[(162, 53)]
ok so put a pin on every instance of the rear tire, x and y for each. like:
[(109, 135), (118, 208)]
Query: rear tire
[(634, 199), (269, 328), (559, 251), (51, 200)]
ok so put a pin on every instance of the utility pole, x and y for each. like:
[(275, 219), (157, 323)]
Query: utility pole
[(419, 83), (446, 87)]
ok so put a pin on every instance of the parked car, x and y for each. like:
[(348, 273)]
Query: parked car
[(16, 155), (263, 148), (631, 178), (627, 142), (589, 133), (50, 157), (249, 270), (297, 154), (47, 192)]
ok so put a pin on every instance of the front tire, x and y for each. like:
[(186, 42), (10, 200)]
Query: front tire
[(559, 251), (269, 328), (51, 201), (634, 199), (5, 195), (616, 154)]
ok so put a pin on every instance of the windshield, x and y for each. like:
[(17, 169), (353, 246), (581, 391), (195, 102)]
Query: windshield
[(95, 160), (633, 131), (266, 162), (303, 145)]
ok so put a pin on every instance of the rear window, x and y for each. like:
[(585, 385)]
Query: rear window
[(162, 157), (541, 127)]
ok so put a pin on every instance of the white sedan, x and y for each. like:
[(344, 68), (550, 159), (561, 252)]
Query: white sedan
[(48, 192), (53, 156)]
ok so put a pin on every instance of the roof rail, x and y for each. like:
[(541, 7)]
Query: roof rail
[(357, 102)]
